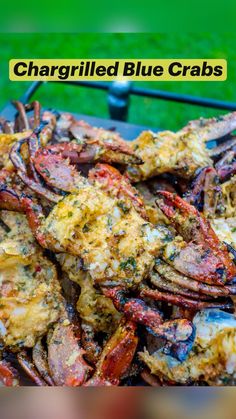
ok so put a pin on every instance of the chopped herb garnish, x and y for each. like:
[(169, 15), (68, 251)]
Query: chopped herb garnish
[(85, 228), (109, 221), (57, 342), (124, 208), (168, 238), (129, 264), (46, 171), (172, 256), (158, 261)]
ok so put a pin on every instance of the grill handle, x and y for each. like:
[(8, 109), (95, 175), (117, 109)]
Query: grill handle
[(119, 93)]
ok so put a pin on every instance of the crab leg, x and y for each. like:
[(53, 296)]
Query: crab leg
[(30, 369), (226, 167), (35, 217), (19, 164), (24, 125), (35, 105), (50, 120), (199, 288), (169, 286), (179, 332), (23, 109), (116, 357), (206, 194), (9, 200), (91, 347), (33, 143), (218, 151), (202, 256), (66, 358), (39, 356), (231, 250), (108, 146), (185, 302), (212, 128)]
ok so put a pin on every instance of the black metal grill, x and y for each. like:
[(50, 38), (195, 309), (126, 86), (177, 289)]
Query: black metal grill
[(118, 100)]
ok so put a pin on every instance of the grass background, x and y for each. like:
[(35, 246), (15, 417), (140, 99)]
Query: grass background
[(120, 45)]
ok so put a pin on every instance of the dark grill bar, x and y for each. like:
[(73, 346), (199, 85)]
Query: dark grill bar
[(120, 92)]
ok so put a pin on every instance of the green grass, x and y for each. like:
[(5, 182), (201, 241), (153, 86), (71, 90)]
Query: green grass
[(142, 111)]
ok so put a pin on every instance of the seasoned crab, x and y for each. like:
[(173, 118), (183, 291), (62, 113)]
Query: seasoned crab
[(116, 244), (102, 222), (30, 294), (212, 358), (126, 253), (63, 363), (109, 257), (180, 153), (59, 155), (32, 306), (30, 298)]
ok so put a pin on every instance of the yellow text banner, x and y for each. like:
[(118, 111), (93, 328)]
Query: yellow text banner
[(113, 69)]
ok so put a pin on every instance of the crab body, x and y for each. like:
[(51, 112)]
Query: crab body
[(180, 153)]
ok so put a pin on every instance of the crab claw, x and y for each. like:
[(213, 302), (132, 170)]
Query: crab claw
[(113, 182), (55, 169), (226, 167), (8, 375), (55, 163), (116, 357), (89, 151), (65, 357), (9, 199), (201, 255), (102, 145), (178, 333)]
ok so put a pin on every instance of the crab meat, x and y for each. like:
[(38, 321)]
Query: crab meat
[(180, 153), (212, 359)]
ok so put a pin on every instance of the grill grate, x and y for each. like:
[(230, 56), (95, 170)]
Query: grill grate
[(118, 99)]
